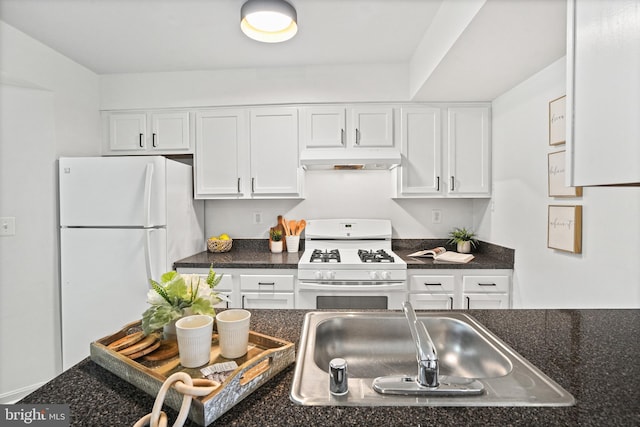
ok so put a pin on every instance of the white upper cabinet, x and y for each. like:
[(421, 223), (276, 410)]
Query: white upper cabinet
[(457, 164), (147, 132), (274, 152), (420, 145), (242, 153), (603, 92), (469, 151), (348, 127), (220, 155), (371, 126)]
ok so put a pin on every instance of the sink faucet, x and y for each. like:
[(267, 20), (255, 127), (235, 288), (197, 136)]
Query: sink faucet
[(425, 350)]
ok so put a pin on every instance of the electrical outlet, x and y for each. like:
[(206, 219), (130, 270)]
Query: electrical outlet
[(436, 216), (7, 226), (257, 217)]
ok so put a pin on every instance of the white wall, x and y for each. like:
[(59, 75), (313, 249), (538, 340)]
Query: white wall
[(340, 194), (49, 107), (247, 86), (607, 273)]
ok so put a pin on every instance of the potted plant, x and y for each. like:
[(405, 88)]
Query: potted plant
[(275, 236), (464, 239), (179, 295)]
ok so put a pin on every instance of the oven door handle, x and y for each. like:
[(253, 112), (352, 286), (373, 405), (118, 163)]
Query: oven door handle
[(380, 286)]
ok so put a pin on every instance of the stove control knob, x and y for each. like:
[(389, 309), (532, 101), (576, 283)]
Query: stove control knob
[(385, 275), (318, 274), (374, 275), (330, 275)]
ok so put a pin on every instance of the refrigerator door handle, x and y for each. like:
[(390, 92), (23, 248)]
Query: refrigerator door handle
[(148, 180), (147, 254)]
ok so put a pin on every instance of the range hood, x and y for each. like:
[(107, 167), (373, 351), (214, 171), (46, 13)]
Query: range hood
[(367, 159)]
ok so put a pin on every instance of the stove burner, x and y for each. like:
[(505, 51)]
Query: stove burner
[(378, 256), (332, 255)]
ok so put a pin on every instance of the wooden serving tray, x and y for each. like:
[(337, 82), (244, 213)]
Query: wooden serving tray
[(266, 356)]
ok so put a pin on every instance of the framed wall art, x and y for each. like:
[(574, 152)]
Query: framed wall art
[(557, 121), (556, 177), (564, 228)]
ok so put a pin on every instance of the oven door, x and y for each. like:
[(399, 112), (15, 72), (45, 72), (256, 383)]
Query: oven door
[(350, 295)]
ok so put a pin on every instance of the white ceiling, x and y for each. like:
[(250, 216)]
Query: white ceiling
[(508, 40)]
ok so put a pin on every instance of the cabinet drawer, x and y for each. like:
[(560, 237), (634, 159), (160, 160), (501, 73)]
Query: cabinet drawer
[(431, 301), (226, 283), (273, 283), (269, 301), (428, 283), (485, 284)]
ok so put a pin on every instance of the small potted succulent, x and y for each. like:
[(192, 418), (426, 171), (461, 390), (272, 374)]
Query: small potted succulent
[(464, 239), (275, 237)]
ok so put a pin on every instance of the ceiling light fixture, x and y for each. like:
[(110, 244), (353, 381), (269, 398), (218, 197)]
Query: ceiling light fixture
[(269, 21)]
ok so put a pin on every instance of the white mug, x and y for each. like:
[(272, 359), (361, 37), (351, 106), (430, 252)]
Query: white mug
[(194, 340), (233, 332)]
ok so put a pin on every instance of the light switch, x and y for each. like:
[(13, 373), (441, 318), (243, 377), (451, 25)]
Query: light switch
[(7, 226)]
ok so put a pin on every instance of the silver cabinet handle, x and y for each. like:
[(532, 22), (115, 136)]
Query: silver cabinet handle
[(357, 137), (141, 140), (437, 183), (153, 140), (453, 182), (342, 136)]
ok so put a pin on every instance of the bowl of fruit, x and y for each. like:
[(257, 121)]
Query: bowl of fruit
[(221, 243)]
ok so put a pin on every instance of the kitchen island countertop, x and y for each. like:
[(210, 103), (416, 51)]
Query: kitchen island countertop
[(593, 354), (254, 253)]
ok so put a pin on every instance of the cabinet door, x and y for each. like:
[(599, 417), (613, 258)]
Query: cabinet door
[(486, 301), (420, 173), (219, 138), (324, 127), (267, 300), (603, 92), (468, 151), (431, 301), (274, 152), (127, 131), (170, 131), (371, 127)]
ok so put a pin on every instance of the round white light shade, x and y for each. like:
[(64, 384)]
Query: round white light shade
[(269, 21)]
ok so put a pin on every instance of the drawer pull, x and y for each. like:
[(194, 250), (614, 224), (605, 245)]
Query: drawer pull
[(432, 284), (486, 284), (266, 283)]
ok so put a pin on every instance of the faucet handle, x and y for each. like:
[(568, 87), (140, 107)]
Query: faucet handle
[(338, 380)]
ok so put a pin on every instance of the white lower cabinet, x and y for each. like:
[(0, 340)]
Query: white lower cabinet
[(267, 290), (460, 289), (432, 292)]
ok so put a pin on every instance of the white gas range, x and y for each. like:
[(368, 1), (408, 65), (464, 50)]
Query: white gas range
[(348, 263)]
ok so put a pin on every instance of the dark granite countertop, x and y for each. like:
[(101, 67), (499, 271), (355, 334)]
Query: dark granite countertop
[(593, 354), (254, 253)]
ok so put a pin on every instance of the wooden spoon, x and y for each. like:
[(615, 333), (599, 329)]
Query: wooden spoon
[(293, 224), (301, 225), (283, 222)]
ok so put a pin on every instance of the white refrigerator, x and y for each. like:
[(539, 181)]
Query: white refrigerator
[(123, 220)]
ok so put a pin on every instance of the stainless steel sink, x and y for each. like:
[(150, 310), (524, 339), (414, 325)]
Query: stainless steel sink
[(380, 344)]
